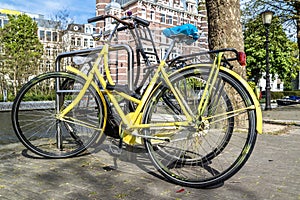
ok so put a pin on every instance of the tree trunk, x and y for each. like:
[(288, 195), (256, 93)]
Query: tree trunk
[(224, 27), (297, 6)]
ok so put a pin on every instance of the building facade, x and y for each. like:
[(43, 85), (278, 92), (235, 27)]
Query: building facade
[(161, 14), (78, 36), (55, 39)]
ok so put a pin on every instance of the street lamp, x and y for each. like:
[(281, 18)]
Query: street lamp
[(267, 19)]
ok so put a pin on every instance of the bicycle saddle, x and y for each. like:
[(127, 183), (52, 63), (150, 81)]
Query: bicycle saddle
[(187, 33)]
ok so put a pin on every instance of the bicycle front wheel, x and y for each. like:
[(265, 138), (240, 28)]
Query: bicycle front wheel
[(217, 144), (36, 122)]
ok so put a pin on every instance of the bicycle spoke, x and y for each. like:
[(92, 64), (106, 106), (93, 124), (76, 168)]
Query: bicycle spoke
[(42, 132), (212, 147)]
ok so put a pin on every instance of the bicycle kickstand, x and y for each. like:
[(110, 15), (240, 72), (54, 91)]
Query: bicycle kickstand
[(116, 149)]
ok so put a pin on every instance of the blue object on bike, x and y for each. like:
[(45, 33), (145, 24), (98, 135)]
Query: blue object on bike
[(186, 29)]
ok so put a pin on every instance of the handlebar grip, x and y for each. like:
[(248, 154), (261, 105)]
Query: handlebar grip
[(141, 21), (122, 28), (95, 19)]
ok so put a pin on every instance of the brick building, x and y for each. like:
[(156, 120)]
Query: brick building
[(162, 14)]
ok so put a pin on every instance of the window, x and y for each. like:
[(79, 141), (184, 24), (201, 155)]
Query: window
[(163, 38), (55, 52), (48, 35), (173, 54), (41, 67), (48, 66), (163, 18), (169, 19), (175, 20), (181, 21), (85, 43), (185, 6), (48, 51), (42, 35), (144, 13), (54, 36), (5, 22), (163, 52), (73, 41), (88, 30), (152, 16), (78, 41), (152, 58), (278, 86), (192, 8), (91, 43)]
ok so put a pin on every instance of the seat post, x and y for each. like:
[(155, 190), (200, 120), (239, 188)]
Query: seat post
[(169, 50)]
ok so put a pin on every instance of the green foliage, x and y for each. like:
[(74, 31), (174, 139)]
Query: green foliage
[(10, 97), (38, 96), (287, 10), (279, 95), (282, 52), (21, 49), (292, 93)]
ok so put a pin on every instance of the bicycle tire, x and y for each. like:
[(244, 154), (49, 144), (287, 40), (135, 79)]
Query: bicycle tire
[(208, 157), (34, 116)]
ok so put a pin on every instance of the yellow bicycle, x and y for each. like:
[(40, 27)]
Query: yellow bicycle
[(197, 119)]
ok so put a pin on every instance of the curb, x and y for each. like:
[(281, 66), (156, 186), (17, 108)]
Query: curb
[(281, 122), (5, 106)]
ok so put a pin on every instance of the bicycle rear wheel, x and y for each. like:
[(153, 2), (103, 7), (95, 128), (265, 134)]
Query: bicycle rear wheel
[(35, 121), (217, 144)]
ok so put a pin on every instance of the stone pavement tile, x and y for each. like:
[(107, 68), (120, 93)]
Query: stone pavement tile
[(272, 172), (270, 128)]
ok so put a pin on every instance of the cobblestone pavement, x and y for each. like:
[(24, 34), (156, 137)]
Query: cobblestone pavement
[(272, 172)]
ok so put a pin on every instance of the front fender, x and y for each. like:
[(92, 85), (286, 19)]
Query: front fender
[(253, 96)]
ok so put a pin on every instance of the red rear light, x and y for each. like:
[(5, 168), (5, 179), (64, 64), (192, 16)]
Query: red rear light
[(242, 58)]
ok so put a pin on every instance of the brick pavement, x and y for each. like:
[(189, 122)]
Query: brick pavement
[(272, 172)]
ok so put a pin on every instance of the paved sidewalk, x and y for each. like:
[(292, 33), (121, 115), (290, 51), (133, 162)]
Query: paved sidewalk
[(285, 115), (272, 172)]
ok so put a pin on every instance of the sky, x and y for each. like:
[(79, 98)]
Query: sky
[(79, 10)]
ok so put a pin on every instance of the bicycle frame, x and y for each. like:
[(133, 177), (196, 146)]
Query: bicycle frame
[(131, 120)]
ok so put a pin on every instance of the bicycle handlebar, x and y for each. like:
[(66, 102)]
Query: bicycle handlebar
[(95, 19), (124, 22), (102, 17), (140, 20), (239, 56)]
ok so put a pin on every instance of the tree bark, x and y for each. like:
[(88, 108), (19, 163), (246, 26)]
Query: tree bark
[(224, 27), (297, 7)]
